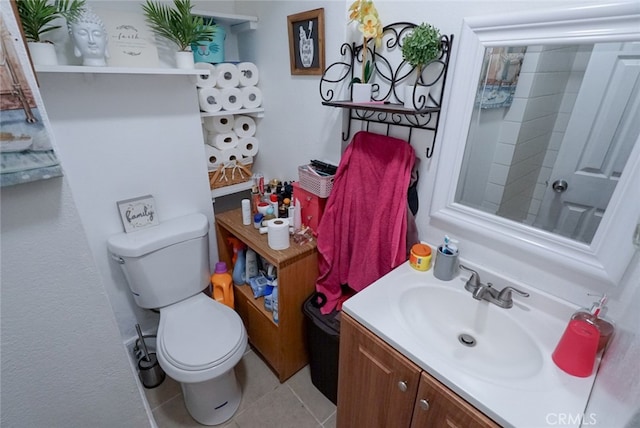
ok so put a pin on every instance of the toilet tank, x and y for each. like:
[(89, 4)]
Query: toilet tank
[(166, 263)]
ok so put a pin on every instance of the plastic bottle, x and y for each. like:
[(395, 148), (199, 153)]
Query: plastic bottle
[(274, 202), (251, 264), (268, 303), (596, 316), (274, 301), (239, 268), (246, 212), (221, 281)]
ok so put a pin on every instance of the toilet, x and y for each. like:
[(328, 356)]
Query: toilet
[(199, 340)]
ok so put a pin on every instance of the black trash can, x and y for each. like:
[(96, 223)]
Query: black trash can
[(323, 342)]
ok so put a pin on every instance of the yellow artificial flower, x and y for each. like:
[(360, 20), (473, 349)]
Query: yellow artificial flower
[(355, 11), (369, 27), (378, 35), (366, 15), (368, 9)]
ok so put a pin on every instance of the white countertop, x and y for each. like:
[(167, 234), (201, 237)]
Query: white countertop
[(536, 400)]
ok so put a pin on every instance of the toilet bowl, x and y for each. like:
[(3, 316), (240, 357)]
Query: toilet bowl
[(199, 340), (199, 343)]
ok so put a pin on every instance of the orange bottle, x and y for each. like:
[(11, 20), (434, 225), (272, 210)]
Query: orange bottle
[(222, 285)]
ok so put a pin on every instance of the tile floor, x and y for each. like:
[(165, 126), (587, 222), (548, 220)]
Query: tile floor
[(265, 401)]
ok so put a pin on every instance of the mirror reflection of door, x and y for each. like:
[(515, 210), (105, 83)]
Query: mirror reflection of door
[(599, 137), (573, 118)]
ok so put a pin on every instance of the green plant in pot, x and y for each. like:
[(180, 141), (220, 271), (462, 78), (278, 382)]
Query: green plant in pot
[(420, 47), (178, 25), (37, 18)]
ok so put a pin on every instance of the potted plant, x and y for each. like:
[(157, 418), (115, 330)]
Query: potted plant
[(420, 47), (366, 15), (37, 18), (178, 25)]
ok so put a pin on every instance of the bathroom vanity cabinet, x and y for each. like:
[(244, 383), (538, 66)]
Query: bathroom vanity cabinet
[(281, 344), (379, 387)]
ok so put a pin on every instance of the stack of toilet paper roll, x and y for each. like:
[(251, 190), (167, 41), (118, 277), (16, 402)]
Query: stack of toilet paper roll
[(229, 87), (229, 138)]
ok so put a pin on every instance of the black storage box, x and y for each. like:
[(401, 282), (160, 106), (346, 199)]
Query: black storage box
[(323, 341)]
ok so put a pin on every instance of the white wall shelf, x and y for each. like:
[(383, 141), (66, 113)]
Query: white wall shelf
[(230, 190), (236, 23), (257, 112), (118, 70)]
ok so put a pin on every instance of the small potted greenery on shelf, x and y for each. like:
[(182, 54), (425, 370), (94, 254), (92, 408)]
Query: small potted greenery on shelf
[(37, 18), (178, 25), (420, 47)]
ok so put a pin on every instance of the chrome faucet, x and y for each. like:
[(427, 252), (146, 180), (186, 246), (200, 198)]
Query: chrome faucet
[(480, 291)]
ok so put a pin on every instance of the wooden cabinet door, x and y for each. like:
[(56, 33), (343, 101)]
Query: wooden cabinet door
[(376, 385), (437, 406)]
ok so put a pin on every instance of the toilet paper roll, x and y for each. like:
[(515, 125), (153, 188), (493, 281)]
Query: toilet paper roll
[(231, 99), (251, 97), (248, 146), (244, 126), (228, 140), (216, 156), (210, 99), (278, 234), (228, 75), (206, 80), (248, 74), (219, 124)]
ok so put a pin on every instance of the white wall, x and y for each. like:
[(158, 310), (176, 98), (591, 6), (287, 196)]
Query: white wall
[(63, 362), (122, 136), (614, 398), (296, 127)]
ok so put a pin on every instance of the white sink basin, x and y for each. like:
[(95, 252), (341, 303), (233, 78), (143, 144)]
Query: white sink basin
[(477, 337), (508, 374)]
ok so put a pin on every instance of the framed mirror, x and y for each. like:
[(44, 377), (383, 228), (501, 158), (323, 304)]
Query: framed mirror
[(540, 154)]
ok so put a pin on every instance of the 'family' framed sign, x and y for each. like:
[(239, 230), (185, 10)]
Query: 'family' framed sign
[(138, 213), (306, 42)]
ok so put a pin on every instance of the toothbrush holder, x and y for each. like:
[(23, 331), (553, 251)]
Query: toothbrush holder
[(446, 265)]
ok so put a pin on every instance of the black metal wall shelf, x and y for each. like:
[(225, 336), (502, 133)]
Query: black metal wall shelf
[(390, 77)]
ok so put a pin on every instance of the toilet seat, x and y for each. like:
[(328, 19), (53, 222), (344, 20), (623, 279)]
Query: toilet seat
[(199, 338)]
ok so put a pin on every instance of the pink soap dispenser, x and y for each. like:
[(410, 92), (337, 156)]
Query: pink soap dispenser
[(586, 335), (596, 316)]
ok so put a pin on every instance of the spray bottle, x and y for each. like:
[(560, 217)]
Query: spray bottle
[(239, 261)]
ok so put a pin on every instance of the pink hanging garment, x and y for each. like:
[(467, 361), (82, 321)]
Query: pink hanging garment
[(363, 231)]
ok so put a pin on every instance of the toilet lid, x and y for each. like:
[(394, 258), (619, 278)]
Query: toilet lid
[(199, 333)]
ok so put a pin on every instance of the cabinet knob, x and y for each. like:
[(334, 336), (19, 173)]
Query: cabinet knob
[(424, 404), (402, 386)]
